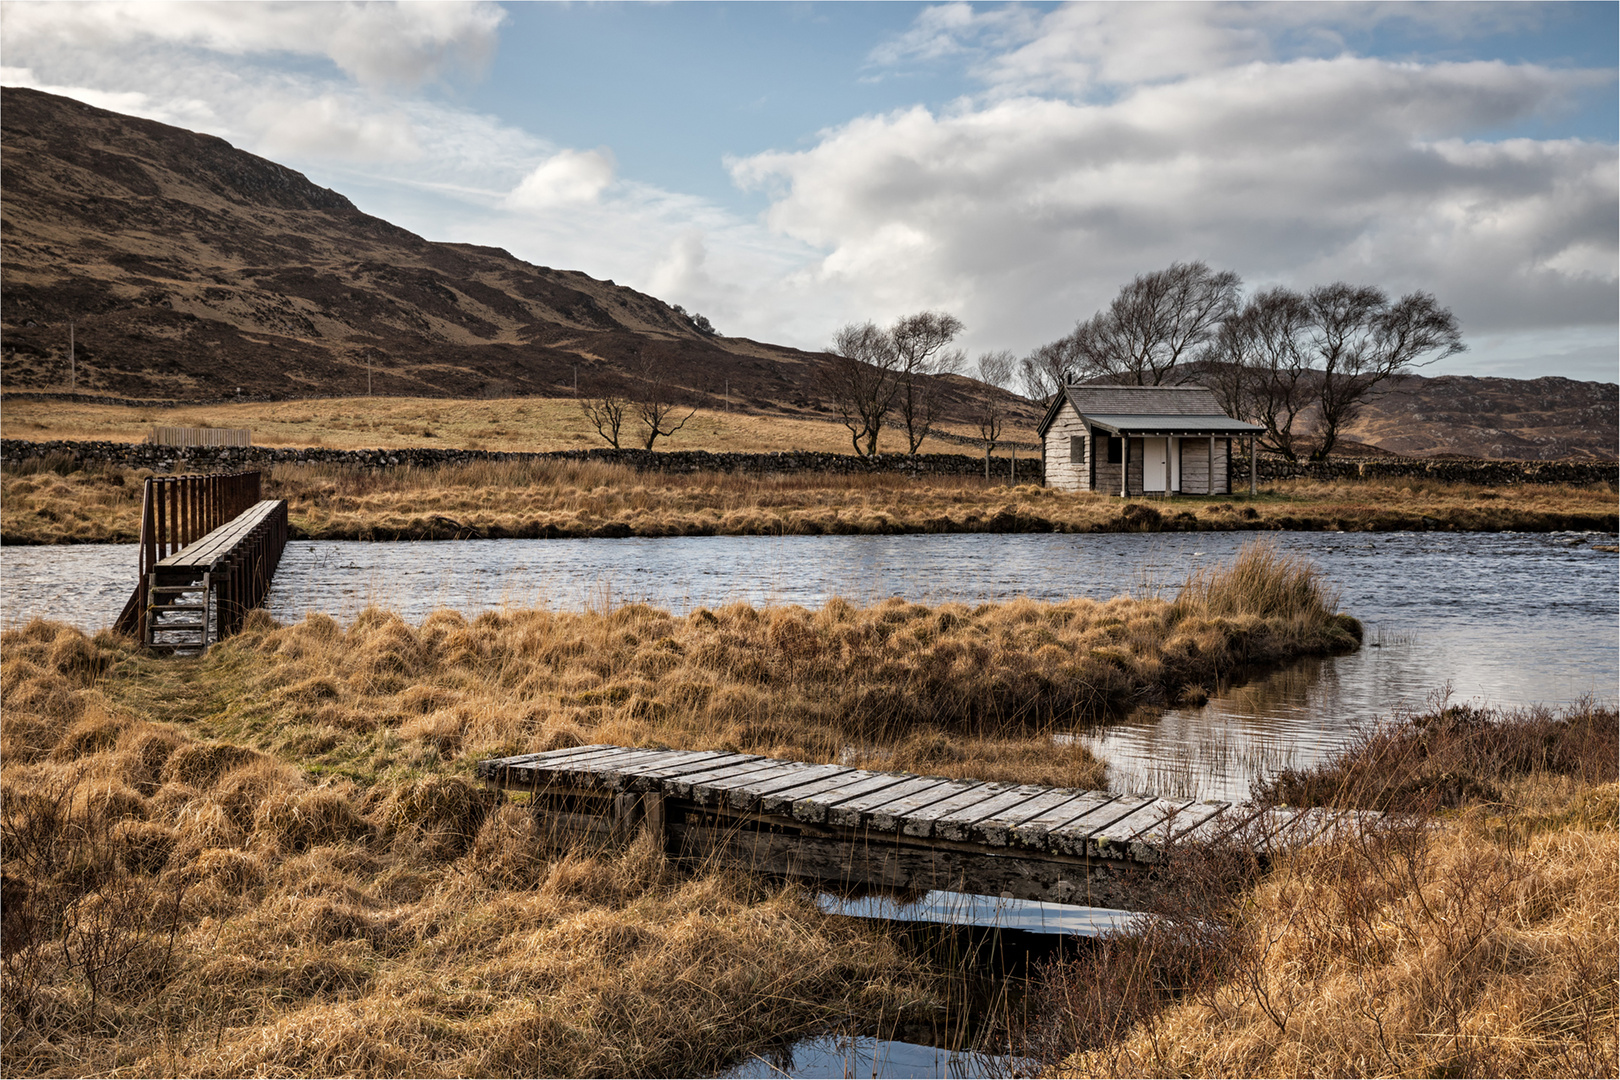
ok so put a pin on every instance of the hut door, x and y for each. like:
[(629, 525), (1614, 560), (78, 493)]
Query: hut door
[(1154, 457)]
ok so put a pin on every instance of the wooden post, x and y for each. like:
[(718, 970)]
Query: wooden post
[(1209, 481), (1168, 472), (652, 816), (1254, 479), (1124, 464)]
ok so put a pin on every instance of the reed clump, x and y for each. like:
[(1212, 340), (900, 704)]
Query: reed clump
[(1476, 942)]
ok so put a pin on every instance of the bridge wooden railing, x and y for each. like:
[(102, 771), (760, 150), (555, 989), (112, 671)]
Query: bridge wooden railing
[(180, 510)]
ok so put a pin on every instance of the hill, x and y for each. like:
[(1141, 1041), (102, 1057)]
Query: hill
[(195, 271)]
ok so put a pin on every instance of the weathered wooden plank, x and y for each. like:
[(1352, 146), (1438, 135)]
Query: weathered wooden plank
[(855, 811), (694, 761), (1222, 825), (681, 786), (1074, 838), (623, 773), (996, 830), (491, 764), (781, 801), (814, 808), (958, 824), (1033, 832), (579, 762), (1152, 843), (920, 823), (891, 815), (1113, 841), (532, 773), (715, 792), (750, 793)]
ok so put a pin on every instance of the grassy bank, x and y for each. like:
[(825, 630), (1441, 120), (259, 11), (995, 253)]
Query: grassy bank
[(40, 505), (1470, 933), (270, 860), (508, 424)]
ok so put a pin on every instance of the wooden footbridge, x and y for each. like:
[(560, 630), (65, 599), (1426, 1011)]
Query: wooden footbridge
[(852, 827), (209, 548)]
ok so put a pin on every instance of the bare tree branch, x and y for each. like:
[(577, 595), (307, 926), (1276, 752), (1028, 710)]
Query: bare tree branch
[(919, 342), (1154, 325), (605, 412), (861, 380)]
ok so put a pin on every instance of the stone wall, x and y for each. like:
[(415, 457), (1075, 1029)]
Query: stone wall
[(1454, 470), (221, 458)]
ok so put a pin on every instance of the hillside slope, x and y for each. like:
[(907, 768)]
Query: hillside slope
[(192, 270)]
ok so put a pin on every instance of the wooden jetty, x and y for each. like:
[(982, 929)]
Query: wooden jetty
[(852, 827), (209, 548)]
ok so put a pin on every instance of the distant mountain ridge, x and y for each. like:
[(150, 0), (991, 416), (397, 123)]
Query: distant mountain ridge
[(195, 271)]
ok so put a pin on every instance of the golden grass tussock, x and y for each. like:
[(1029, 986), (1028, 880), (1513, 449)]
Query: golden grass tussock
[(580, 499), (235, 916), (1479, 943)]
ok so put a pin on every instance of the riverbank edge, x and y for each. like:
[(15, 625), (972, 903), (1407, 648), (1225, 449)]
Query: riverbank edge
[(447, 530)]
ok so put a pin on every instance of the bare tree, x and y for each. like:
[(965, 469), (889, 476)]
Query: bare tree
[(995, 370), (1047, 370), (920, 348), (861, 380), (1362, 341), (1259, 367), (1155, 324), (656, 406), (606, 412)]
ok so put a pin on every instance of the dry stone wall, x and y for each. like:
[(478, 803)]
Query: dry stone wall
[(217, 458), (1451, 470), (214, 458)]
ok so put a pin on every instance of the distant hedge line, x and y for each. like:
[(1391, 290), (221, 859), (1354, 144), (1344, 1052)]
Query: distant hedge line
[(191, 458)]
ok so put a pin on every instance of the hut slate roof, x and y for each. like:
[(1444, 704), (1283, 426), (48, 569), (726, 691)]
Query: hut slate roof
[(1168, 409)]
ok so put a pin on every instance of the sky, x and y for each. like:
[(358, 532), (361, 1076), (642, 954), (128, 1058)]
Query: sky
[(788, 168)]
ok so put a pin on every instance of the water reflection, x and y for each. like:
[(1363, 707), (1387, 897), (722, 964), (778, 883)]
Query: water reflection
[(863, 1055)]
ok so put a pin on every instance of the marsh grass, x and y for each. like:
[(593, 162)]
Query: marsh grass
[(269, 859), (1476, 943)]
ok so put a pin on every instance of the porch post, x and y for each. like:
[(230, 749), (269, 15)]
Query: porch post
[(1124, 464), (1209, 485), (1254, 480)]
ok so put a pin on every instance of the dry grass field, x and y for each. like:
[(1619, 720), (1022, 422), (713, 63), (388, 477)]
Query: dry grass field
[(508, 424), (45, 502), (269, 860), (1470, 933)]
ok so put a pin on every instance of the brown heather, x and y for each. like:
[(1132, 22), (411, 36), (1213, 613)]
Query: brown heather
[(1477, 943), (47, 502), (269, 860)]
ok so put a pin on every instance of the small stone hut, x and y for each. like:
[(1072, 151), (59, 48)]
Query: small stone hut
[(1142, 440)]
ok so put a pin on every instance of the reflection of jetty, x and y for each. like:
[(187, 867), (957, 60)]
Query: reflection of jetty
[(209, 547), (852, 827)]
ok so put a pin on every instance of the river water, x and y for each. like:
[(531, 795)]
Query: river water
[(1497, 618)]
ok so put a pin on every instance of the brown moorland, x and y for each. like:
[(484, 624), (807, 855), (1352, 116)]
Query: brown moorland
[(269, 859), (1471, 932), (51, 502)]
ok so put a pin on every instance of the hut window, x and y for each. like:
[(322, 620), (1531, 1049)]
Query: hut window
[(1116, 453), (1077, 449)]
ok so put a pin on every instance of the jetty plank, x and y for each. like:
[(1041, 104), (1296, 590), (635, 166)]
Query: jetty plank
[(845, 826)]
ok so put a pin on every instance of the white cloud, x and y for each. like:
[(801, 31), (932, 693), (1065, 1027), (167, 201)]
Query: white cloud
[(570, 176), (375, 43), (1022, 214)]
